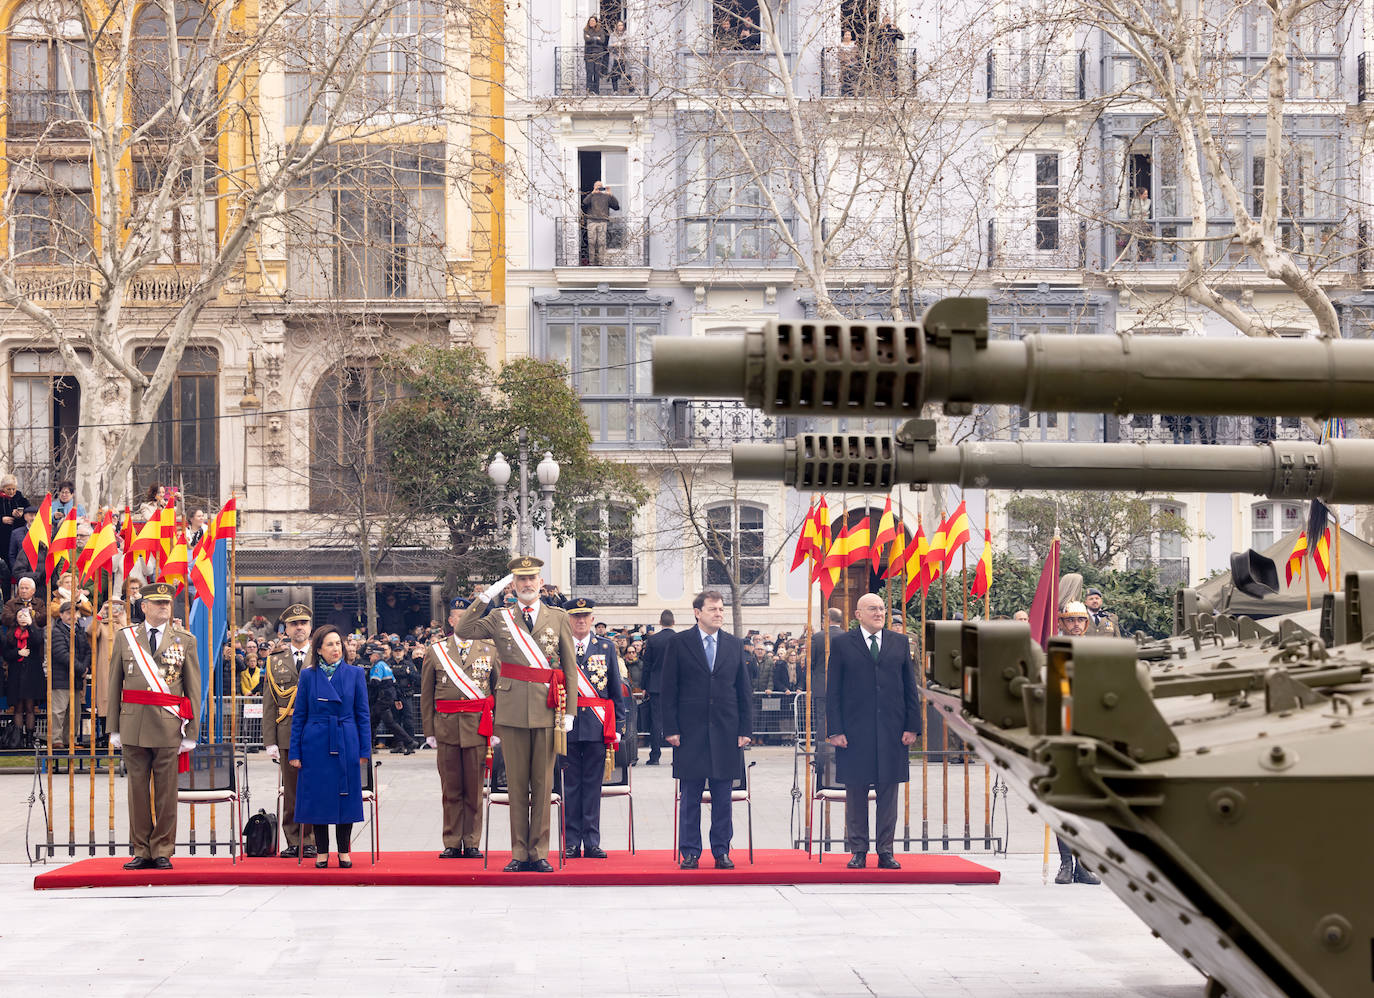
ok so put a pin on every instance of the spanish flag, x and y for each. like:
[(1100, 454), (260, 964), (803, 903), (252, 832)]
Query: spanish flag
[(98, 555), (126, 532), (850, 547), (806, 539), (175, 568), (887, 533), (917, 556), (63, 542), (147, 543), (1321, 554), (933, 562), (982, 578), (1293, 569), (203, 576), (896, 555), (957, 531), (822, 538), (227, 522), (40, 531)]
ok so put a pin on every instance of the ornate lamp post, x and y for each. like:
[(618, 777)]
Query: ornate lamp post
[(499, 471)]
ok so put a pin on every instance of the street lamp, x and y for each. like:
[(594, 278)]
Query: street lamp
[(499, 471)]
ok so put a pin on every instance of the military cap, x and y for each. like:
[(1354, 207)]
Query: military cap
[(294, 612), (458, 603), (155, 591), (580, 605), (1094, 591), (525, 565)]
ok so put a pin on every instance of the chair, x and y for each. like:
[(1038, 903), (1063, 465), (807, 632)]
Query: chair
[(498, 794), (371, 798), (213, 779), (738, 793), (828, 790), (619, 788)]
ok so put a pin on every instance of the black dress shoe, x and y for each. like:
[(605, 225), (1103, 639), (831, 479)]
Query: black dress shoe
[(886, 862), (162, 863), (311, 852), (514, 866), (594, 852), (689, 863), (472, 852), (290, 852), (651, 761), (572, 853), (858, 861), (539, 866), (139, 863), (724, 862), (451, 853)]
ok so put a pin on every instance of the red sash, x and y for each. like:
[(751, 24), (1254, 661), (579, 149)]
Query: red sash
[(608, 734), (151, 698), (482, 706), (554, 677)]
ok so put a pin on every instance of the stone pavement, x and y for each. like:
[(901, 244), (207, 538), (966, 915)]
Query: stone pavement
[(1018, 938)]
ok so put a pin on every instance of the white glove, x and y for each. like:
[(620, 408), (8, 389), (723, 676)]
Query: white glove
[(23, 653), (186, 745), (432, 742), (115, 743), (274, 753), (496, 589), (495, 741), (568, 722)]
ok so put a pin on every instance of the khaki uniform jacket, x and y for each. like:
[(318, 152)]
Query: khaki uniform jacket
[(179, 665), (520, 704), (476, 658), (1106, 626), (281, 669)]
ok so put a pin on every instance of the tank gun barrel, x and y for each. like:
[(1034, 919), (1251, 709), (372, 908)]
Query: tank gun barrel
[(1336, 471), (843, 368)]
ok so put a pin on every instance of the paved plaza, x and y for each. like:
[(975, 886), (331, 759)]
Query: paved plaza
[(1021, 937)]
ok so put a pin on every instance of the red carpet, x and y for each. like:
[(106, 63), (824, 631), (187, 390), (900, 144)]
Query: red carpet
[(425, 869)]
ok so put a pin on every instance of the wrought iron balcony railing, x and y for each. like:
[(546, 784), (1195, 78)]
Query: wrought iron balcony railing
[(619, 72), (1038, 75), (609, 580), (1162, 243), (716, 240), (1049, 243), (35, 112), (627, 243), (746, 70), (718, 424), (872, 70)]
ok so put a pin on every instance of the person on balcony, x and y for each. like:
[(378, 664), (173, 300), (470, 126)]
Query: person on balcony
[(885, 52), (849, 64), (596, 208), (594, 42), (620, 59)]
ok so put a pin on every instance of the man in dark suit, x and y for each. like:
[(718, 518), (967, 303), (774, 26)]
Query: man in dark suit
[(873, 716), (651, 675), (835, 617), (708, 719), (585, 764)]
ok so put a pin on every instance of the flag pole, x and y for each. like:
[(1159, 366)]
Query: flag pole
[(47, 710), (987, 615), (963, 586), (180, 503), (1306, 576), (925, 745), (71, 708), (810, 745), (1337, 570), (232, 595), (901, 581), (95, 618), (844, 526)]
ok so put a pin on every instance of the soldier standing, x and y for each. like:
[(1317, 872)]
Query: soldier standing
[(456, 711), (600, 717), (156, 682), (1102, 623), (278, 706), (538, 669)]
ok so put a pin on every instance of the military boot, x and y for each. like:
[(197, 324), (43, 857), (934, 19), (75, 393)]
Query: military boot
[(1065, 874), (1082, 875)]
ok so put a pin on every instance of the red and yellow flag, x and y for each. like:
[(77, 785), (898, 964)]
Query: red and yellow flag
[(917, 555), (887, 533), (126, 533), (851, 547), (175, 567), (933, 563), (40, 531), (63, 542), (1321, 554), (896, 555), (982, 578), (957, 532), (98, 555), (806, 539), (1293, 569), (227, 522), (203, 576)]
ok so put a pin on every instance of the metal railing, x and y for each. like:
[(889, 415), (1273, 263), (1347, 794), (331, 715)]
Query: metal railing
[(610, 581), (1162, 243), (1310, 76), (627, 242), (1036, 243), (622, 71), (732, 69), (715, 576), (40, 283), (867, 70), (199, 482), (31, 112), (1233, 430), (1037, 75), (719, 424), (715, 240)]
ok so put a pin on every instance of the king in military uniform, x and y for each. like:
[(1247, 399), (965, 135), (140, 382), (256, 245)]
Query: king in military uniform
[(600, 718), (155, 680), (278, 707), (456, 714), (536, 690)]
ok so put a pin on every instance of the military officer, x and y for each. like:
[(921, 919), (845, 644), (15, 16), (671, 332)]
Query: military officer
[(278, 706), (535, 647), (1102, 623), (155, 679), (456, 714), (585, 764)]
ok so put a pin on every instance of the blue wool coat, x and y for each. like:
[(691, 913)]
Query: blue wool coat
[(330, 733)]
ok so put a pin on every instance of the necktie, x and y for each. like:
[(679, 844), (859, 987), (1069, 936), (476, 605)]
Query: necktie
[(152, 639), (873, 646), (300, 659), (711, 652), (529, 619)]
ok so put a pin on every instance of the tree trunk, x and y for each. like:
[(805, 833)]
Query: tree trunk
[(106, 405)]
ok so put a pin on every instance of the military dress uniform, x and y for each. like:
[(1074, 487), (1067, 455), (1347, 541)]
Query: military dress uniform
[(150, 734), (585, 764), (278, 707), (456, 723), (1103, 624), (524, 718)]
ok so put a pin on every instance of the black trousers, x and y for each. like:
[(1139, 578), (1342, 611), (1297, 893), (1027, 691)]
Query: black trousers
[(856, 816), (583, 768), (387, 720), (653, 703), (343, 836)]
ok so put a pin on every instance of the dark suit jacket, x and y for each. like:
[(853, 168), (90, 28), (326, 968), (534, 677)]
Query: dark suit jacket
[(710, 710), (871, 704), (818, 659), (587, 728), (652, 657)]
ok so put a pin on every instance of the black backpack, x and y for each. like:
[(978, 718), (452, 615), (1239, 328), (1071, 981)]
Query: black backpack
[(260, 834)]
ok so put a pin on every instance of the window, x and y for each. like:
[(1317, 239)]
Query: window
[(735, 539), (186, 233), (1047, 201), (604, 553), (1164, 549), (605, 341), (404, 74), (51, 219), (343, 431), (736, 25), (1048, 313), (727, 216), (1019, 539), (182, 445), (1271, 521), (369, 224), (49, 67), (155, 78), (45, 409)]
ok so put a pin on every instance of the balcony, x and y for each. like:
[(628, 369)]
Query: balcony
[(867, 71), (1036, 244), (1161, 244), (1235, 430), (627, 242), (53, 284), (159, 286), (717, 425), (716, 241), (732, 70), (609, 580), (1037, 76), (755, 593), (55, 113), (1314, 76), (625, 73), (199, 482)]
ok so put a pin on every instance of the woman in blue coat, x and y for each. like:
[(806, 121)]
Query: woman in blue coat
[(330, 738)]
